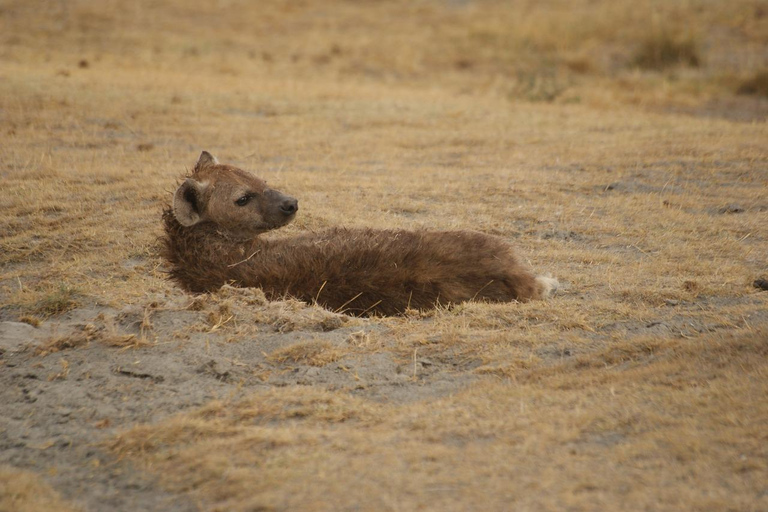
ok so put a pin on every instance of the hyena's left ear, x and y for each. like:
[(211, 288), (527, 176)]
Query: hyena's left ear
[(205, 160), (188, 202)]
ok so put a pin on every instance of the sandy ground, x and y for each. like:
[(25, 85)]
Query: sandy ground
[(67, 393), (63, 405)]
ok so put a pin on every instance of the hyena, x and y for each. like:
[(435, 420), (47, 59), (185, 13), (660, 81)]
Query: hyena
[(213, 237)]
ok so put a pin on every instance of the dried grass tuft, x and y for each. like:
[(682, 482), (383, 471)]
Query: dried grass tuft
[(79, 338), (102, 330), (312, 353), (31, 320), (756, 85), (662, 49), (61, 299), (24, 491)]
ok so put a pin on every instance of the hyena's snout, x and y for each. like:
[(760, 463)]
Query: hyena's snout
[(289, 206), (283, 204)]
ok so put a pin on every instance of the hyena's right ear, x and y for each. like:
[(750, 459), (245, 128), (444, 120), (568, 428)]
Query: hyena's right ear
[(205, 160), (188, 202)]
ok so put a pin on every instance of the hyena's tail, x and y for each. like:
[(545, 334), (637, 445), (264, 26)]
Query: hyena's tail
[(546, 286)]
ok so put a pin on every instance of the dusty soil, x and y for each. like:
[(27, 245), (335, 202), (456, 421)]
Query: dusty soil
[(68, 391), (64, 399)]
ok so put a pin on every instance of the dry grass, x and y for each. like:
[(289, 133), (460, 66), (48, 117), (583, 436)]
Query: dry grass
[(313, 353), (756, 85), (59, 300), (663, 50), (645, 425), (242, 311), (640, 386), (104, 330), (22, 491)]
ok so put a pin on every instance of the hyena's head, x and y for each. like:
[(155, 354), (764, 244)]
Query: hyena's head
[(237, 202)]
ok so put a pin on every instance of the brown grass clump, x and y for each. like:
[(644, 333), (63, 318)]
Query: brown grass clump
[(22, 491), (245, 296), (59, 300), (73, 340), (313, 353), (756, 85), (308, 406), (103, 330), (125, 341), (31, 320), (661, 50), (220, 317), (248, 426), (243, 310)]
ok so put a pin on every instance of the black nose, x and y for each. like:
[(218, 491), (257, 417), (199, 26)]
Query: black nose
[(289, 206)]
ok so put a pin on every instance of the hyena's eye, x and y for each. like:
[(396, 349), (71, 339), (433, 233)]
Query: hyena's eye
[(243, 200)]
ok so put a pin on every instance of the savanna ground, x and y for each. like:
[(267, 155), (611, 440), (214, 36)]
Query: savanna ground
[(620, 146)]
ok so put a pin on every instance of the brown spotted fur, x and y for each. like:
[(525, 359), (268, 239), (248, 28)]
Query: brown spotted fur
[(357, 271)]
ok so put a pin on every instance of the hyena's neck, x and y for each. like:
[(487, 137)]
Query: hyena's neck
[(201, 257)]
